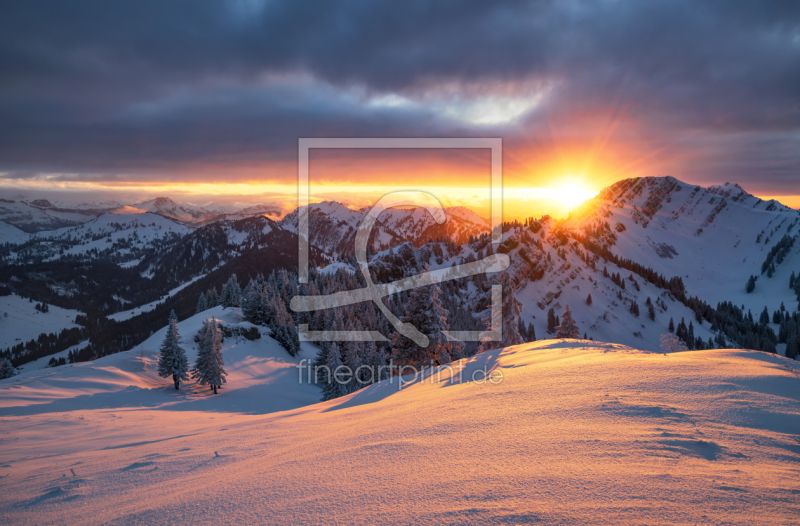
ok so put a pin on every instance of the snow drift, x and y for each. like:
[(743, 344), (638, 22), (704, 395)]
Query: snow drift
[(565, 431)]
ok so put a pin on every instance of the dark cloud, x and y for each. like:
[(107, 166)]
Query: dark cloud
[(138, 86)]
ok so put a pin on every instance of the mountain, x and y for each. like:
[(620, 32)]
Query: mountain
[(565, 432), (121, 238), (198, 215), (332, 226), (714, 238), (39, 215), (214, 245), (166, 207)]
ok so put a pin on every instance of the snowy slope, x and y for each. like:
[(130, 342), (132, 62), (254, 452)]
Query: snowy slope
[(121, 236), (262, 378), (20, 322), (573, 433), (195, 214), (40, 215), (713, 238), (11, 234)]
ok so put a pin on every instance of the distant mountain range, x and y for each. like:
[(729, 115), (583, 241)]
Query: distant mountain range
[(40, 214)]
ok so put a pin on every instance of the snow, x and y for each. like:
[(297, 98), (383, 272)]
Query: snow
[(33, 218), (20, 322), (128, 314), (12, 234), (108, 233), (130, 264), (715, 262), (573, 432), (44, 361), (333, 268)]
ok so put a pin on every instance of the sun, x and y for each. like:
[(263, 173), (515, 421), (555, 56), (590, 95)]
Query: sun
[(571, 195)]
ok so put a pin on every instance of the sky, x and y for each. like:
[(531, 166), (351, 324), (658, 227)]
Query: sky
[(205, 100)]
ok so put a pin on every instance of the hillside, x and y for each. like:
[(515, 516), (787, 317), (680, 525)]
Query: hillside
[(20, 321), (575, 432), (332, 226), (39, 215), (714, 238)]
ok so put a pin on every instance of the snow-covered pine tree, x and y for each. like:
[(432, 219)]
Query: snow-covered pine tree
[(201, 342), (334, 387), (6, 369), (212, 298), (671, 343), (250, 298), (567, 328), (201, 303), (284, 331), (424, 310), (209, 368), (231, 293), (215, 371), (511, 312), (172, 360)]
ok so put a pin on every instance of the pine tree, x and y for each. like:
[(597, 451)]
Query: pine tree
[(6, 369), (764, 319), (231, 293), (511, 312), (793, 346), (172, 361), (212, 298), (651, 311), (568, 328), (209, 368), (201, 303), (552, 321), (284, 331), (425, 312), (671, 327), (751, 284), (589, 299), (250, 300), (671, 343), (334, 387)]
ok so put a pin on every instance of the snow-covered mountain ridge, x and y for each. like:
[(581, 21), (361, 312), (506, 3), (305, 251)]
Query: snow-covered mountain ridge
[(714, 238), (332, 226)]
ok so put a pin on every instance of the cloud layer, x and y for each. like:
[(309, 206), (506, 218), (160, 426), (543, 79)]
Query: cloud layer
[(200, 90)]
